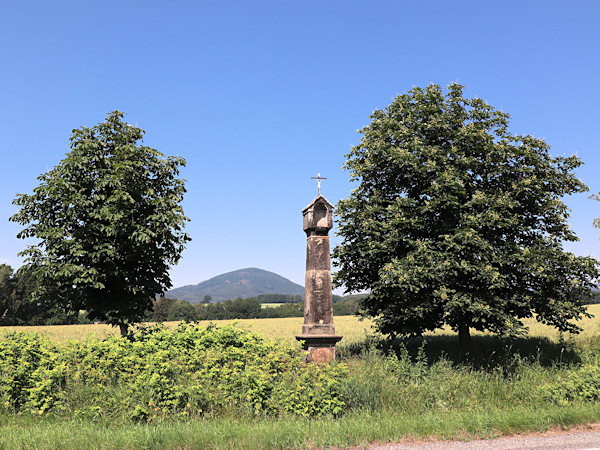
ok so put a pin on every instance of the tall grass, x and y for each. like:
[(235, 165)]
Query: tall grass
[(360, 428), (421, 379)]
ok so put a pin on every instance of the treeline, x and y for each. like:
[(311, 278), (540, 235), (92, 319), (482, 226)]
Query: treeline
[(279, 298), (18, 307), (169, 309)]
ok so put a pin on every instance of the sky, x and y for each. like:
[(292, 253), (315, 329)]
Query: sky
[(258, 96)]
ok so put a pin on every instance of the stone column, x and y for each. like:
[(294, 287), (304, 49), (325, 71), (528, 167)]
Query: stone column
[(318, 332)]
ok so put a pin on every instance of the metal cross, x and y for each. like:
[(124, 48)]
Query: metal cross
[(319, 178)]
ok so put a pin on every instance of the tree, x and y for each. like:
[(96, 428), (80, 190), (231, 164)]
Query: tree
[(207, 298), (18, 305), (182, 310), (457, 221), (109, 224), (32, 310), (162, 309), (596, 222), (7, 292), (242, 308)]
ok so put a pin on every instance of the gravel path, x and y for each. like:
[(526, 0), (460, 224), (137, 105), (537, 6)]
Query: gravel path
[(578, 439)]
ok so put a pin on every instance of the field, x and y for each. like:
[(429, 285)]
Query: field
[(271, 305), (285, 329), (418, 391), (352, 328)]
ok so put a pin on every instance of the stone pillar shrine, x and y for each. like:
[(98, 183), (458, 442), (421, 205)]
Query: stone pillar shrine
[(318, 333)]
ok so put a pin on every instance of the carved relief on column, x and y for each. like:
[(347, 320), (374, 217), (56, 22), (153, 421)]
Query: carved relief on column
[(317, 253)]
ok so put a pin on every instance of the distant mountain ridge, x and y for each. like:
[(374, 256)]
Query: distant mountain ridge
[(243, 283)]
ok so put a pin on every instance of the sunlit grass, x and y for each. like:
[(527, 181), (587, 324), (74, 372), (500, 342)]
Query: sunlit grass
[(357, 429), (271, 305), (352, 328), (591, 327), (63, 333)]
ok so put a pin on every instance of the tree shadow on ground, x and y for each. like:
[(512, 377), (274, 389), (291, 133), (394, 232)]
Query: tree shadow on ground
[(488, 352)]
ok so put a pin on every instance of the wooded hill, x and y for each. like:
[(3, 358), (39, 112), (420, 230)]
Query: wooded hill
[(250, 282)]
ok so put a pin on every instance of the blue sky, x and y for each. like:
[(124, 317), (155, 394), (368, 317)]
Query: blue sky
[(259, 96)]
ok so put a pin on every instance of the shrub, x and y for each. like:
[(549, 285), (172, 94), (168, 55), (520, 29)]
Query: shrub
[(159, 373), (582, 383), (31, 373)]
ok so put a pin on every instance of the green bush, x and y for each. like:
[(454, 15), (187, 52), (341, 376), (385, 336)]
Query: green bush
[(582, 383), (157, 373), (31, 374), (190, 372)]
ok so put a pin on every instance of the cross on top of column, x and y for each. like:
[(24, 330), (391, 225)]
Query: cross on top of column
[(318, 178)]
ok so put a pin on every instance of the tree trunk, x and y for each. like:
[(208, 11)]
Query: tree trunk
[(464, 339), (123, 328)]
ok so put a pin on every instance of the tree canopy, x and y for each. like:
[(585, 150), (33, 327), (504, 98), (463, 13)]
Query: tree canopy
[(107, 222), (457, 221)]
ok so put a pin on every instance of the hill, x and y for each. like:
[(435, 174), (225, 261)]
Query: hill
[(243, 283)]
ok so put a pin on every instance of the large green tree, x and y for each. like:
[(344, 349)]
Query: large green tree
[(457, 221), (108, 223)]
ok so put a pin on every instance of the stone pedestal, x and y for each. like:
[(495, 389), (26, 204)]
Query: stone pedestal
[(318, 333)]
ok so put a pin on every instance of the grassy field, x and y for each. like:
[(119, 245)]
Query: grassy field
[(352, 328), (533, 383), (285, 329)]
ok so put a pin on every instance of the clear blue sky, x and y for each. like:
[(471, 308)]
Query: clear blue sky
[(259, 96)]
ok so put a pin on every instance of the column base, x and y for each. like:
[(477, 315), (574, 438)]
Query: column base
[(321, 347)]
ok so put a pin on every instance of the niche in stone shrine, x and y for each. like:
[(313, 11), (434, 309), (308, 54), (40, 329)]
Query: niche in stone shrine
[(320, 215)]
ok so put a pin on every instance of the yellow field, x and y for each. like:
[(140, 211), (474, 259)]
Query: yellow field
[(591, 327), (285, 329)]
